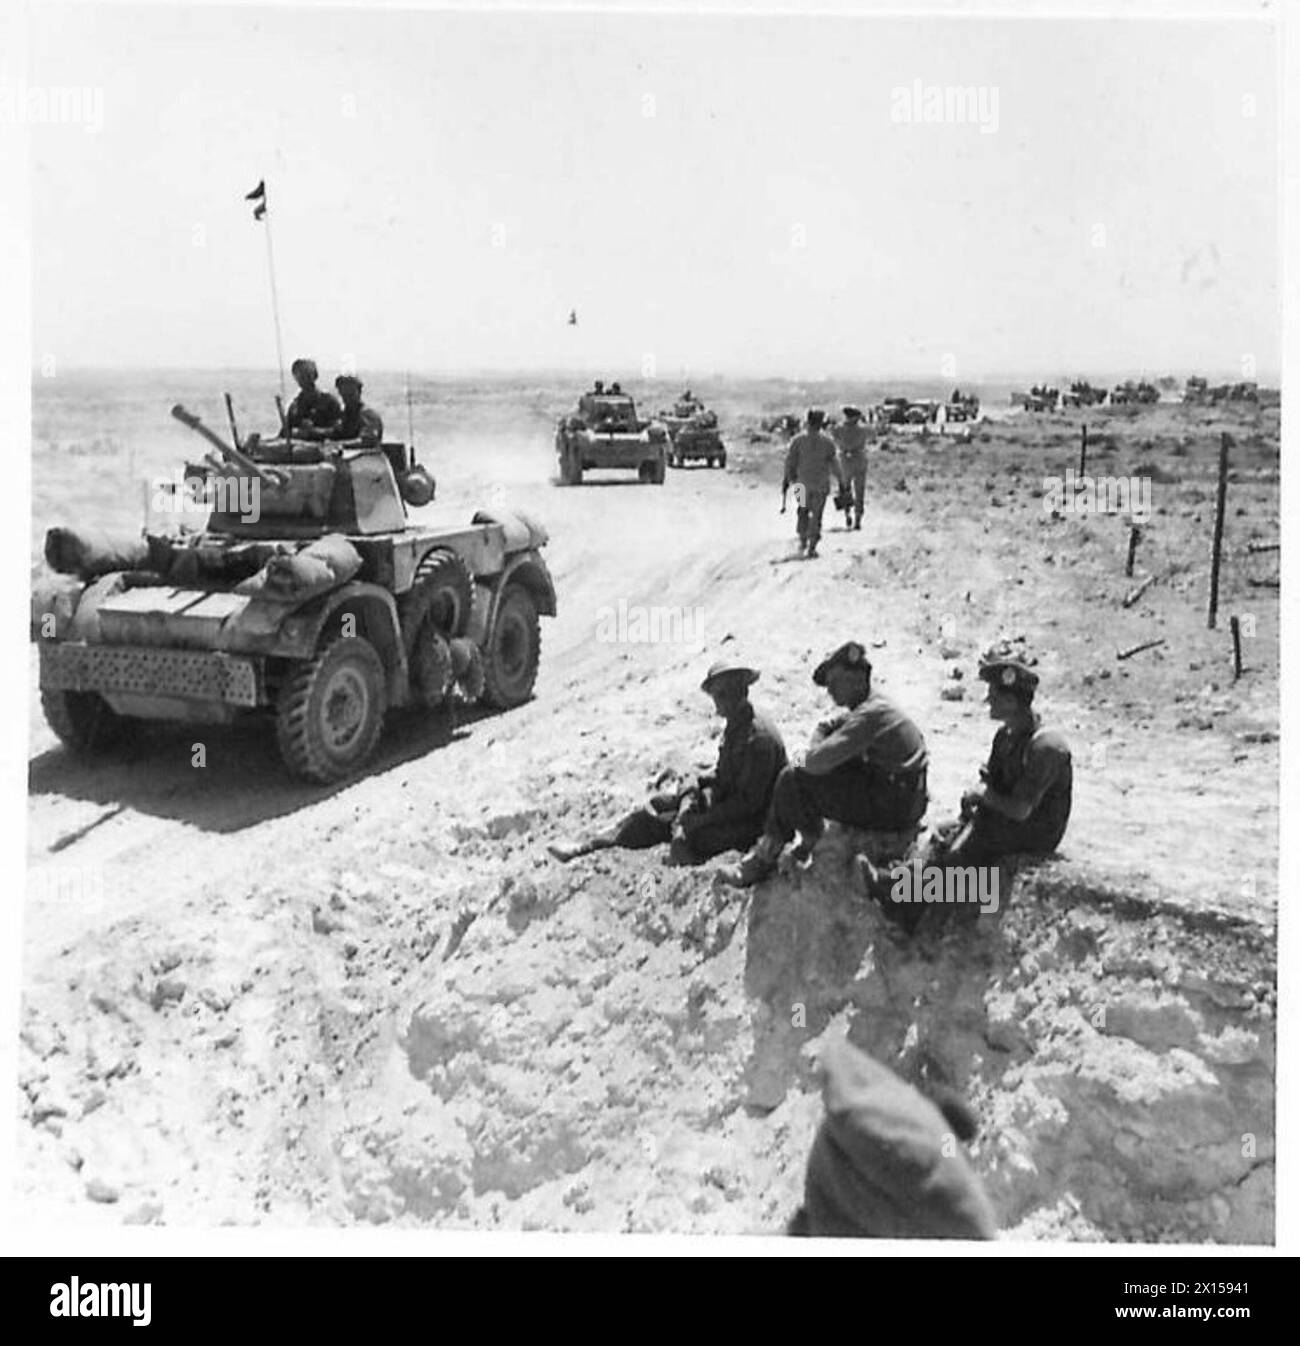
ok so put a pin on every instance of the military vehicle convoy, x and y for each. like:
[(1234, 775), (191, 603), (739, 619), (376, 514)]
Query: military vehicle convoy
[(605, 432), (320, 609), (693, 434)]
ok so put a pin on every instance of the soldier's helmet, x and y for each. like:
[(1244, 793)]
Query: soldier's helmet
[(729, 668)]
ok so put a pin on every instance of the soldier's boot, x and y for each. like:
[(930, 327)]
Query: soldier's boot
[(877, 884), (755, 866)]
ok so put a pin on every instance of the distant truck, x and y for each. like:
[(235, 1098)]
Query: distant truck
[(1129, 393), (604, 432), (903, 413), (1038, 398), (1198, 392), (962, 406), (1083, 394)]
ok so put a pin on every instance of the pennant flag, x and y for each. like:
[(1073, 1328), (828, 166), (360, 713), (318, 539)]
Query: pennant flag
[(258, 194)]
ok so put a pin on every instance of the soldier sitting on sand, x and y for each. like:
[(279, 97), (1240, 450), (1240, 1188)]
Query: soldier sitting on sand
[(313, 409), (719, 812), (865, 767), (1024, 803), (358, 423)]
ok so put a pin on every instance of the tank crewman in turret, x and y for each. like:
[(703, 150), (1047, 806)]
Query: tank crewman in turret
[(1024, 802), (718, 812), (358, 422), (852, 440), (810, 461), (865, 767), (313, 409)]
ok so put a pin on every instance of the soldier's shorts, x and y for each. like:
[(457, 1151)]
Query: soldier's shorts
[(858, 485), (994, 835), (810, 516), (853, 794)]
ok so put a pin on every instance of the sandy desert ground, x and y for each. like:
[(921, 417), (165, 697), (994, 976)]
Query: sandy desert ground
[(250, 1001)]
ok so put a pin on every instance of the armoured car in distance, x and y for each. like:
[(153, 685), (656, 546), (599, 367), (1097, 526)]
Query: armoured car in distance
[(605, 432)]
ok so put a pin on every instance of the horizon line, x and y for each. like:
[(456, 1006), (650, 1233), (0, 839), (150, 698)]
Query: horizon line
[(1269, 378)]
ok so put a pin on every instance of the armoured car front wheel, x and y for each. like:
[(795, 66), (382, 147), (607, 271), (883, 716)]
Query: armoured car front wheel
[(330, 711), (83, 720), (513, 650)]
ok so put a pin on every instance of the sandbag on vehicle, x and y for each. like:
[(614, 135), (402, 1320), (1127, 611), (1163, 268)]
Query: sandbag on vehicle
[(324, 565), (54, 604), (94, 551)]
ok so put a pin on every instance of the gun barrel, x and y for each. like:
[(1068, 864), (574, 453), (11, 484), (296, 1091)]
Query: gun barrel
[(187, 418), (190, 420)]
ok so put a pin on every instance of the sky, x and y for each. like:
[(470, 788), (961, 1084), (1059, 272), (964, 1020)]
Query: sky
[(731, 194)]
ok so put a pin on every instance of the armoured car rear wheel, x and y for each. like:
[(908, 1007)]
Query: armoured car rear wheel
[(330, 711), (443, 591), (83, 720), (513, 650)]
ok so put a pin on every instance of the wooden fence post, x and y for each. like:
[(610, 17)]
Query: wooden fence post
[(1220, 506)]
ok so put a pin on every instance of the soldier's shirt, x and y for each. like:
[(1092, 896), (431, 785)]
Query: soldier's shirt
[(316, 408), (360, 423), (875, 731), (812, 460), (1034, 767), (750, 758), (884, 1163), (852, 441)]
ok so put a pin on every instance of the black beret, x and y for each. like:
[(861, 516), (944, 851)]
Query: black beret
[(849, 655)]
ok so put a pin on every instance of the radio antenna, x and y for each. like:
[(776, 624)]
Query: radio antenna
[(410, 418)]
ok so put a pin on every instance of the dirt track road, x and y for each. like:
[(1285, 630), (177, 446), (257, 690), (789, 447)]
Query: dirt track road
[(299, 1069)]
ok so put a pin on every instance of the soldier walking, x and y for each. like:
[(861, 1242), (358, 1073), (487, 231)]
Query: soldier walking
[(810, 462), (851, 437)]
